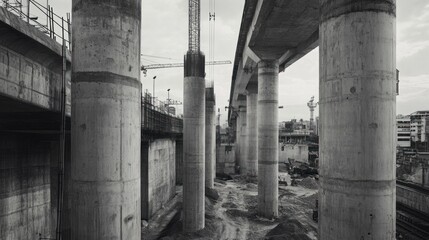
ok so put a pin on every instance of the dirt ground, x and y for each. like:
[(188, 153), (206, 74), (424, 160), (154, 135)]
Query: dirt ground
[(234, 215)]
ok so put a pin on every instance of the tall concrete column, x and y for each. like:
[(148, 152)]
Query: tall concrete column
[(237, 140), (106, 120), (357, 119), (268, 138), (194, 104), (252, 133), (243, 140), (210, 137)]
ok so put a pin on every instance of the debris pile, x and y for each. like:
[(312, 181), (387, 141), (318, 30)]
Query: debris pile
[(309, 183), (289, 229)]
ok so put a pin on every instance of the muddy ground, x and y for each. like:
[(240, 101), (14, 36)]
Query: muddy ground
[(234, 214)]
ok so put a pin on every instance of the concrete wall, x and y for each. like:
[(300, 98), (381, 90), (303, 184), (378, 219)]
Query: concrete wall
[(158, 175), (25, 190), (30, 64), (412, 199), (225, 159), (298, 152), (26, 80)]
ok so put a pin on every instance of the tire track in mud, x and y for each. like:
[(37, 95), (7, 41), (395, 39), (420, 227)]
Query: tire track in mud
[(232, 227), (238, 221)]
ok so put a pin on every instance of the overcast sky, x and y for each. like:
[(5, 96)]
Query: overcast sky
[(164, 34)]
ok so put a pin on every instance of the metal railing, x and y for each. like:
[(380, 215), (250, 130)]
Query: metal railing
[(156, 118), (158, 105), (56, 27)]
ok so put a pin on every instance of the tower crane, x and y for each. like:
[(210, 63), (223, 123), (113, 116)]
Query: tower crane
[(144, 68)]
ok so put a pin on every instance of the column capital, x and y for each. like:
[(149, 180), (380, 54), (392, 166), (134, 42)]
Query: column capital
[(269, 63), (336, 8)]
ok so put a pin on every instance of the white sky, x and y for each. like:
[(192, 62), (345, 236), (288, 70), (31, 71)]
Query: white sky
[(164, 33)]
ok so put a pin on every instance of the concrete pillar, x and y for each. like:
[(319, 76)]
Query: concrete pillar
[(106, 119), (237, 141), (243, 140), (252, 134), (268, 138), (357, 118), (194, 103), (210, 137)]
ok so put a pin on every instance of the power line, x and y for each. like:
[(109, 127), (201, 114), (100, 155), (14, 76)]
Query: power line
[(152, 56)]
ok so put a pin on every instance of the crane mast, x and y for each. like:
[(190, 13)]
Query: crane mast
[(194, 26)]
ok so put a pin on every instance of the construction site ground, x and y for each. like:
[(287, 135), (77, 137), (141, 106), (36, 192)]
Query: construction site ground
[(234, 214)]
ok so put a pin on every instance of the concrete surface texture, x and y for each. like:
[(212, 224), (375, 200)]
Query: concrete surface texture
[(237, 141), (252, 134), (210, 128), (194, 103), (106, 123), (268, 137), (30, 65), (357, 119), (158, 174), (225, 159), (243, 140), (297, 152), (25, 192), (27, 80)]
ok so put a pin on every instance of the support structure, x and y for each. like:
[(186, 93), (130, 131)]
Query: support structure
[(268, 138), (194, 103), (210, 137), (357, 117), (194, 143), (243, 139), (252, 133), (106, 120), (237, 142)]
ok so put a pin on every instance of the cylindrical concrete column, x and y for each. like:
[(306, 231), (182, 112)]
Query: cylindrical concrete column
[(194, 104), (252, 134), (243, 139), (237, 142), (268, 138), (357, 118), (106, 120), (210, 137)]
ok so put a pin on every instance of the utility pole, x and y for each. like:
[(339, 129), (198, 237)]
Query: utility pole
[(168, 101), (153, 92)]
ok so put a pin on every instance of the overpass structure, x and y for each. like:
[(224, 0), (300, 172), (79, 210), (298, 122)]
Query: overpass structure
[(121, 163), (356, 42), (273, 35)]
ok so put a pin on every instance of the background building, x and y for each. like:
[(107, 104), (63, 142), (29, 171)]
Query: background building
[(403, 126), (419, 122)]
